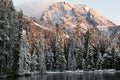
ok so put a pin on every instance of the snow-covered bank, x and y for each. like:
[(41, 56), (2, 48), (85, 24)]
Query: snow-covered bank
[(81, 71)]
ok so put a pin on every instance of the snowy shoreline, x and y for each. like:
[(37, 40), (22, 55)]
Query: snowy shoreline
[(111, 71), (81, 71)]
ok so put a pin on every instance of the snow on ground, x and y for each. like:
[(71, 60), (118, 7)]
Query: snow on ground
[(103, 28), (111, 71), (65, 35), (42, 26)]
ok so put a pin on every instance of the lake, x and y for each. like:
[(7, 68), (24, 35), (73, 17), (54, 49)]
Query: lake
[(72, 76)]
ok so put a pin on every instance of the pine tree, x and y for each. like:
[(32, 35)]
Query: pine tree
[(58, 51), (10, 28)]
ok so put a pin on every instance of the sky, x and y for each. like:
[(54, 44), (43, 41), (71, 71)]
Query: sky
[(107, 8)]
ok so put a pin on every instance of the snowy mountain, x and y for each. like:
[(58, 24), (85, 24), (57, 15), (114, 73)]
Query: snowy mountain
[(70, 16)]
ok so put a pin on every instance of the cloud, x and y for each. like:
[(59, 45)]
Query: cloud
[(34, 8)]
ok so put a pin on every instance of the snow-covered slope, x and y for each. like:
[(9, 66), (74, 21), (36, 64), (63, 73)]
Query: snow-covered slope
[(41, 26), (68, 15)]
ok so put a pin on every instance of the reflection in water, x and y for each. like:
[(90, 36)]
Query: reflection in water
[(72, 76)]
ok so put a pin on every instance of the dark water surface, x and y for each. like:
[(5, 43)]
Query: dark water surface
[(72, 76)]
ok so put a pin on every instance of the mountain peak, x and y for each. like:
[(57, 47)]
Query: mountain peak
[(68, 15)]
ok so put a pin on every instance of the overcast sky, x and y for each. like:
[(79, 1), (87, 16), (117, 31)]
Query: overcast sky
[(107, 8)]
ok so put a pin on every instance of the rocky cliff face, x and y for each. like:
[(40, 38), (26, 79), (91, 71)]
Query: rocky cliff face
[(15, 55)]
